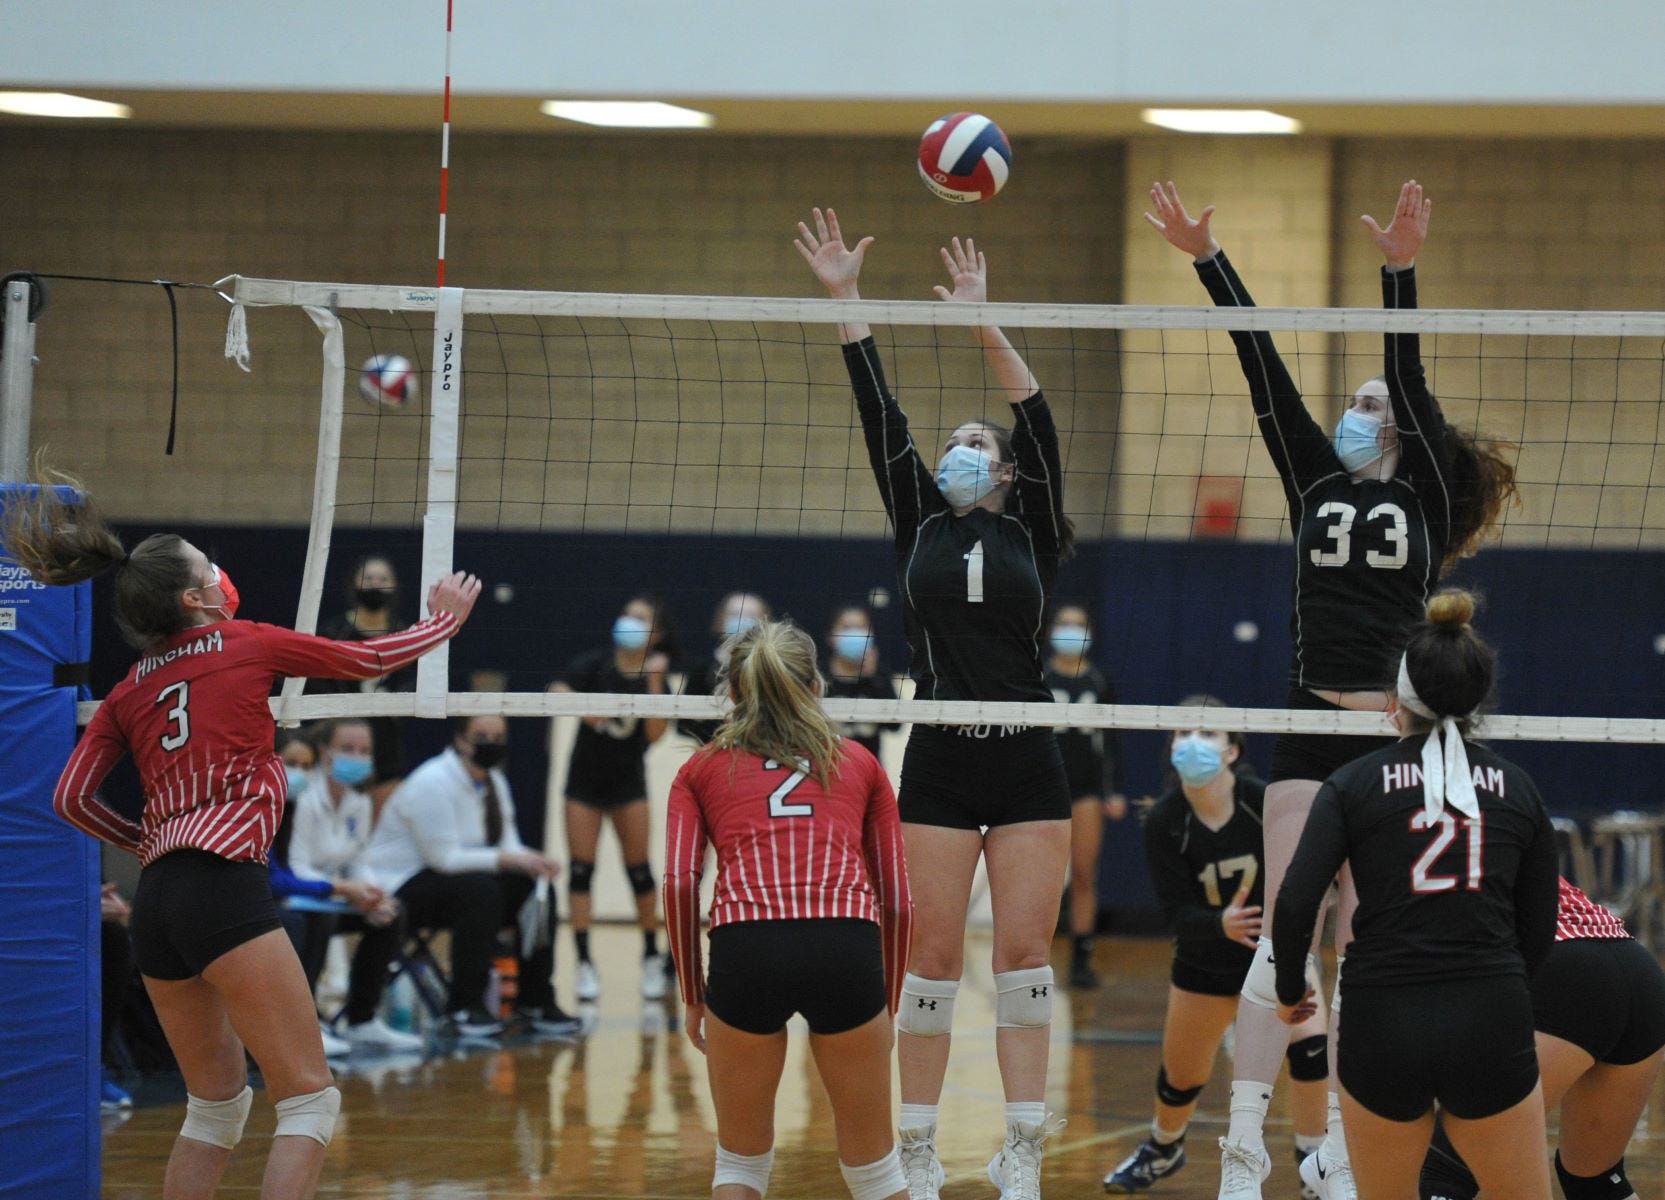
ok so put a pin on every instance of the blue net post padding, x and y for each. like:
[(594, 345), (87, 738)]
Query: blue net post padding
[(49, 912)]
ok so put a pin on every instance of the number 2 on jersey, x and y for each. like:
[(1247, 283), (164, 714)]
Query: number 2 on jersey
[(179, 716), (778, 807), (1445, 827)]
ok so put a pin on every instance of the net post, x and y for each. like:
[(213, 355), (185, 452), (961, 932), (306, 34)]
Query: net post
[(17, 379), (330, 414), (439, 522)]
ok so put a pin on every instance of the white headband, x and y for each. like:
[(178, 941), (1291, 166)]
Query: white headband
[(1446, 777)]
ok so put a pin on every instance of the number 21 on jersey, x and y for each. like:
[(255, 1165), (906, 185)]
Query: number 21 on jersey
[(1340, 535), (1423, 881)]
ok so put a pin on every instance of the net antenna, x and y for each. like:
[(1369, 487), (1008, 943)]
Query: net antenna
[(624, 356)]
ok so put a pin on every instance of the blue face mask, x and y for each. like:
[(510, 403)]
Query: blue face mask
[(349, 770), (297, 780), (1196, 759), (851, 645), (1356, 442), (1071, 640), (630, 633), (963, 476), (738, 625)]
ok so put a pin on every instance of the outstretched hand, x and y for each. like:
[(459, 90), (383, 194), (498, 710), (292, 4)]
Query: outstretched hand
[(835, 265), (968, 269), (1174, 223), (1406, 230), (454, 594)]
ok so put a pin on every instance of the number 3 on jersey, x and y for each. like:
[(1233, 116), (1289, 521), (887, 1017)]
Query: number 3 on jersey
[(179, 716), (778, 807), (1341, 537)]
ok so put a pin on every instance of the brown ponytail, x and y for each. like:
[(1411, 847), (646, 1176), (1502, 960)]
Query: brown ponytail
[(772, 678), (64, 539), (1483, 484), (1449, 664)]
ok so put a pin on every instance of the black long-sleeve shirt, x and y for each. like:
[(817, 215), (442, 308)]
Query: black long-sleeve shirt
[(1196, 871), (1092, 757), (1451, 898), (974, 587), (863, 687), (1367, 553)]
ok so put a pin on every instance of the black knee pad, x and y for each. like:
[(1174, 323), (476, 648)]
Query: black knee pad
[(579, 875), (1611, 1184), (1170, 1095), (641, 879), (1309, 1058)]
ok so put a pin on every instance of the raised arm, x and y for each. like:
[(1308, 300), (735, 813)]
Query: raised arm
[(1318, 857), (887, 867), (76, 796), (1415, 411), (906, 484), (685, 840), (1300, 450), (450, 601)]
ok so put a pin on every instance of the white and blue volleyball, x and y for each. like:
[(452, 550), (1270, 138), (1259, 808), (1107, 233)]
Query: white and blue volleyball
[(388, 381), (964, 158)]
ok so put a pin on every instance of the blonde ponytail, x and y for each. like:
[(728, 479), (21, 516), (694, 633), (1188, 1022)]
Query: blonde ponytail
[(771, 676)]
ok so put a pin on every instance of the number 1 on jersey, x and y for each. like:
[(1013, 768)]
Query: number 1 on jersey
[(778, 807), (974, 573)]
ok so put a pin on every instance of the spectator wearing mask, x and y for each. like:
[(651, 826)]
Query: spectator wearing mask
[(372, 611), (853, 672), (736, 613)]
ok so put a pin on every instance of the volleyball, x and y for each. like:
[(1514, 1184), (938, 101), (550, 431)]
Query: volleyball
[(388, 381), (964, 158)]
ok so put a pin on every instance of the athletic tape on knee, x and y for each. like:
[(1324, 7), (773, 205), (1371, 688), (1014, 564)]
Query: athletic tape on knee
[(1023, 999), (217, 1122), (1335, 996), (927, 1005), (641, 878), (579, 874), (312, 1115), (876, 1180), (1611, 1184), (1170, 1095), (747, 1170), (1260, 985), (1309, 1058)]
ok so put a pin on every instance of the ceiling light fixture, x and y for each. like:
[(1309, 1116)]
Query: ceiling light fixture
[(628, 114), (60, 104), (1221, 120)]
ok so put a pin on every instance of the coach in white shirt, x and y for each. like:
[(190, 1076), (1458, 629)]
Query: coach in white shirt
[(329, 834), (446, 846)]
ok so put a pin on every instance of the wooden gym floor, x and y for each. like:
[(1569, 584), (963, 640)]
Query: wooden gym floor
[(625, 1112)]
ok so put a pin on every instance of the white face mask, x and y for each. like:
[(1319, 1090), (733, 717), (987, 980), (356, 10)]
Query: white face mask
[(965, 476)]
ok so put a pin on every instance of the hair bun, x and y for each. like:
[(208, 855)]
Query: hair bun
[(1451, 609)]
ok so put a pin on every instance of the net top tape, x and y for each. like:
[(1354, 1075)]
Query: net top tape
[(790, 310), (1635, 730)]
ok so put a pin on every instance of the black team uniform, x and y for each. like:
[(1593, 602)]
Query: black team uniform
[(1454, 915), (975, 591), (864, 687), (1196, 871), (1093, 767), (1367, 554)]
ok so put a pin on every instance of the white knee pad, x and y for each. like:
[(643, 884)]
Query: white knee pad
[(1023, 999), (1335, 996), (312, 1115), (927, 1005), (1260, 985), (876, 1180), (217, 1122), (747, 1170)]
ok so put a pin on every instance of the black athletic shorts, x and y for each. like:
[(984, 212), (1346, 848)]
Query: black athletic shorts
[(830, 970), (1209, 981), (606, 802), (1316, 756), (1466, 1043), (980, 776), (192, 906), (1606, 996)]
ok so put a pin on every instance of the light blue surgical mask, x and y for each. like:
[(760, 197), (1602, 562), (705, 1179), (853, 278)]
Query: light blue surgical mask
[(738, 625), (851, 645), (964, 476), (631, 633), (297, 780), (1356, 439), (1196, 759), (350, 770), (1071, 640)]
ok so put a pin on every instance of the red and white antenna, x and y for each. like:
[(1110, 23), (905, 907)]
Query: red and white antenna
[(445, 147)]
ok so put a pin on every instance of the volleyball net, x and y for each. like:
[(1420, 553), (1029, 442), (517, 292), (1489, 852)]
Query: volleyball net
[(732, 418)]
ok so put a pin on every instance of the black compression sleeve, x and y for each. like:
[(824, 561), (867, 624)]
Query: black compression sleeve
[(905, 483), (1040, 472), (1321, 853), (1422, 448)]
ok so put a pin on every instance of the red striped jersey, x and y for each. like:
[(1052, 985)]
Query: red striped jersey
[(1579, 917), (787, 849), (193, 713)]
